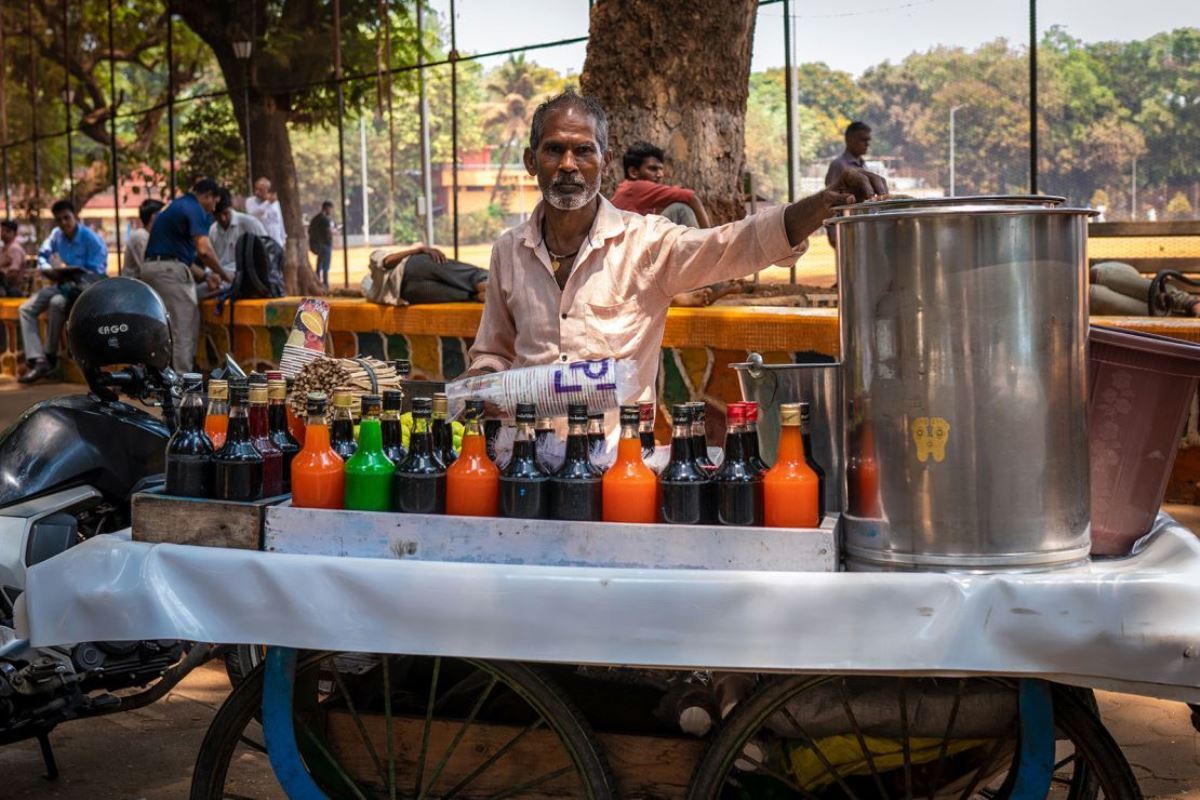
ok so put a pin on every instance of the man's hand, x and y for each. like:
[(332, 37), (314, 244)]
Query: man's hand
[(213, 280), (437, 255), (855, 185)]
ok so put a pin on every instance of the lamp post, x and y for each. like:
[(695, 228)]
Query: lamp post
[(243, 46), (953, 110)]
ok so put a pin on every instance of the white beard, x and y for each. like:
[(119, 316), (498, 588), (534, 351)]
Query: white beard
[(569, 202)]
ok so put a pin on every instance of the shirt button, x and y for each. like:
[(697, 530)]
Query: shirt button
[(563, 357), (564, 316)]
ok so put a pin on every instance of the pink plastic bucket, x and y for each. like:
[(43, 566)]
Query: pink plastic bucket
[(1140, 389)]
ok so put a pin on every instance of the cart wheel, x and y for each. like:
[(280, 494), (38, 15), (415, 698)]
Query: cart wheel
[(859, 738), (379, 726), (241, 659)]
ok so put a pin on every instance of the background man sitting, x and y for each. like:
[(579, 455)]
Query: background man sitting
[(72, 257), (228, 226), (644, 192), (12, 260)]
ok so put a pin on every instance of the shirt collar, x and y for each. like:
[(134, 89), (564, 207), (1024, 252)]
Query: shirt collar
[(608, 224)]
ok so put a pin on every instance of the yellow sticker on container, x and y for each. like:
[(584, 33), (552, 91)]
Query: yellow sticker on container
[(930, 434)]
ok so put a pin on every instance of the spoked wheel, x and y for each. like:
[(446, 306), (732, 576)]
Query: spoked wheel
[(866, 738), (373, 726)]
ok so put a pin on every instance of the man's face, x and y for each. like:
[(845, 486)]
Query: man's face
[(224, 217), (327, 210), (7, 235), (568, 161), (262, 188), (651, 170), (859, 143), (207, 201), (67, 223)]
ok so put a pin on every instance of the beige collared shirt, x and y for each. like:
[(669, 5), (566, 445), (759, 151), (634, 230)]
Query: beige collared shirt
[(616, 298)]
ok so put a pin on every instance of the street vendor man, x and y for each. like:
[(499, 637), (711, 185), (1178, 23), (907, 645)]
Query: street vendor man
[(583, 280)]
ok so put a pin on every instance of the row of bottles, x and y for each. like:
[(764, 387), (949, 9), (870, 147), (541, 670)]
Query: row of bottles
[(372, 471)]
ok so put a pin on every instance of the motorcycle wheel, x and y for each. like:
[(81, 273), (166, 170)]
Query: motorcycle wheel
[(241, 660)]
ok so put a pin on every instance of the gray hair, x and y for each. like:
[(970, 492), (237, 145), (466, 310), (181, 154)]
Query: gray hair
[(567, 99)]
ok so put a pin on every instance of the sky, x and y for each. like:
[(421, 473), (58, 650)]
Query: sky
[(850, 37)]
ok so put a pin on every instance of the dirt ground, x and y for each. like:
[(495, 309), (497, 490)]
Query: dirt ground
[(149, 754)]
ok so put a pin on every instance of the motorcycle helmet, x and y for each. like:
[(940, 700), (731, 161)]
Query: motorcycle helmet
[(116, 322)]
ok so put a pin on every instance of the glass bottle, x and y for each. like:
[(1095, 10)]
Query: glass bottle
[(753, 454), (524, 485), (216, 421), (790, 486), (699, 437), (318, 473), (806, 436), (237, 465), (575, 489), (630, 489), (597, 441), (369, 472), (295, 424), (403, 368), (277, 424), (260, 434), (862, 472), (389, 423), (646, 429), (473, 481), (341, 429), (420, 483), (737, 482), (684, 487), (544, 441), (443, 434), (190, 451)]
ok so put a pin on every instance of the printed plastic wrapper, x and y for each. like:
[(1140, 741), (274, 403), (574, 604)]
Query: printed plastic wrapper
[(599, 384), (306, 342)]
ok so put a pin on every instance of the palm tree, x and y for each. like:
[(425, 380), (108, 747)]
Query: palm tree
[(513, 87)]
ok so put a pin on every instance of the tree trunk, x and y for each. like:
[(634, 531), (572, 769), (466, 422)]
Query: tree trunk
[(682, 84)]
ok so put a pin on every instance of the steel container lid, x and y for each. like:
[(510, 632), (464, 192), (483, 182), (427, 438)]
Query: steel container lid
[(937, 212), (877, 206)]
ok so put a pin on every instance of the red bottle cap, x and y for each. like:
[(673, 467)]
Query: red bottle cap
[(751, 411), (735, 414)]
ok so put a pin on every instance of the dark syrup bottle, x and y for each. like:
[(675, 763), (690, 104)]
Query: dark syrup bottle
[(684, 488), (524, 485), (238, 466), (738, 483), (420, 483), (576, 488), (190, 451)]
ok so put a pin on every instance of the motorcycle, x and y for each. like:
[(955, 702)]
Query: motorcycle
[(69, 467)]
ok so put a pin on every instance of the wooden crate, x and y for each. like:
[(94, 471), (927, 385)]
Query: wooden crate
[(547, 542), (161, 518), (644, 766)]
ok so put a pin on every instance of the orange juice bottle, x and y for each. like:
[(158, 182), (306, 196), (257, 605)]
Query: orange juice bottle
[(216, 421), (318, 479), (473, 481), (862, 472), (630, 488), (791, 487)]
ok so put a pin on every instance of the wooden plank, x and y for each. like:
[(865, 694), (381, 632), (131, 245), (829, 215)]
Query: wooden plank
[(1189, 227), (1152, 266), (420, 537), (160, 518), (644, 766)]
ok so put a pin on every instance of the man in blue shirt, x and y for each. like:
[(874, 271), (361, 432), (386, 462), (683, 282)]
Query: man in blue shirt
[(178, 238), (73, 256)]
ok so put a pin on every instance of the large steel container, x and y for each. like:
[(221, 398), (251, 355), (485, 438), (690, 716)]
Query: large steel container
[(817, 383), (963, 333), (901, 203)]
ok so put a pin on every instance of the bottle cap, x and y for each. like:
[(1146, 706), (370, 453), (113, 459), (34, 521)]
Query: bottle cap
[(735, 415), (576, 413), (256, 378), (422, 407), (342, 398), (317, 401), (600, 414), (258, 394), (218, 390), (646, 412), (192, 377), (239, 394), (276, 389), (274, 375), (371, 403), (356, 404), (682, 414), (474, 410), (698, 410), (545, 423), (440, 404), (393, 399), (751, 411), (629, 415), (526, 412), (789, 414), (403, 367)]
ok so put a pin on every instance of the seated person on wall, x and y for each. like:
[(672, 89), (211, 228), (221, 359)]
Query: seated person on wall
[(422, 274), (228, 226), (72, 258), (12, 260), (581, 279), (135, 248), (1118, 290)]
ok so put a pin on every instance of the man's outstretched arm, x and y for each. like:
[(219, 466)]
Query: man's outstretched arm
[(803, 217)]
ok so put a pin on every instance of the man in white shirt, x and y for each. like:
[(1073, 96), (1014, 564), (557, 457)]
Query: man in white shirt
[(264, 207), (228, 226), (135, 248)]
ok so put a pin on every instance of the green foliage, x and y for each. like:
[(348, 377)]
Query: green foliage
[(475, 227), (1178, 207), (210, 145)]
